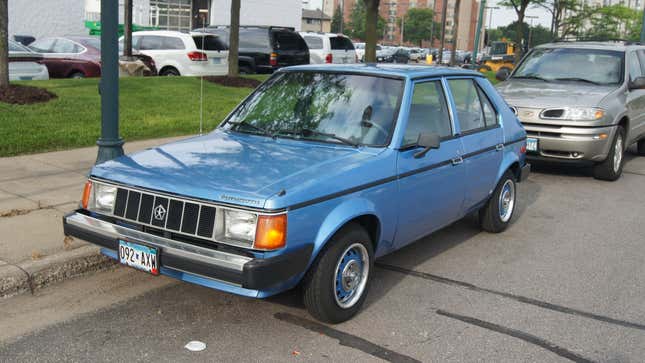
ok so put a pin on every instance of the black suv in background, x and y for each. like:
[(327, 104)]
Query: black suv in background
[(264, 49)]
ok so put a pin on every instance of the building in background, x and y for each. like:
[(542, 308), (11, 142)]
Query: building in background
[(315, 21), (68, 17)]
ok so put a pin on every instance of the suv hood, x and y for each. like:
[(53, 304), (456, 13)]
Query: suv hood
[(228, 167), (540, 94)]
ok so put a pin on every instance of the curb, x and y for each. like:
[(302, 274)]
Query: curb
[(29, 276)]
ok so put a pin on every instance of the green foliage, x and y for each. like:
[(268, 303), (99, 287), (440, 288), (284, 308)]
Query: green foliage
[(539, 34), (337, 20), (419, 25), (149, 107), (356, 26), (611, 22)]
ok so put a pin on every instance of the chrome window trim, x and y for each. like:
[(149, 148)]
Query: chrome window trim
[(218, 209)]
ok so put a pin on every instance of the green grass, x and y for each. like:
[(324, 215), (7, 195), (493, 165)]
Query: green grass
[(491, 77), (149, 108)]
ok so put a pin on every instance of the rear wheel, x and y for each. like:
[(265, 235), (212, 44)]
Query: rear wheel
[(612, 167), (77, 75), (496, 215), (169, 72), (336, 285), (640, 148)]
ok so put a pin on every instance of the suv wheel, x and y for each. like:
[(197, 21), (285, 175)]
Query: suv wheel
[(336, 285), (640, 148), (612, 167), (496, 215), (169, 72)]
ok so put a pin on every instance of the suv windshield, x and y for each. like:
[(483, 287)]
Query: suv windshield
[(323, 107), (588, 65)]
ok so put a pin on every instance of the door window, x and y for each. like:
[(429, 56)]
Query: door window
[(428, 113), (43, 45), (314, 42), (470, 108), (155, 42), (490, 115), (66, 46), (634, 67)]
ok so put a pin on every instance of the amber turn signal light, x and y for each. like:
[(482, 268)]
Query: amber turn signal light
[(271, 232), (86, 194)]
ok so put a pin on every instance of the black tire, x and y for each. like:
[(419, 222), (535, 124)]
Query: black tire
[(607, 169), (246, 70), (640, 147), (77, 75), (319, 292), (169, 72), (491, 218)]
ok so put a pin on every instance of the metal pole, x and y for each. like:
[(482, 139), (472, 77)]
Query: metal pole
[(110, 144), (480, 20)]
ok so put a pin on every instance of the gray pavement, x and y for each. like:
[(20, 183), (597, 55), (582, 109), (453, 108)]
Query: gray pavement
[(566, 282)]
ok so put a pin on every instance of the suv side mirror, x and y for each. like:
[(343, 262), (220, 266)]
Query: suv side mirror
[(502, 74), (638, 83), (427, 142)]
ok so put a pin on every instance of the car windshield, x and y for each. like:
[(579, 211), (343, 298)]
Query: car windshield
[(603, 67), (330, 107)]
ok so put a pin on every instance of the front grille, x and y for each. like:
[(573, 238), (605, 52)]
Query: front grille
[(165, 213)]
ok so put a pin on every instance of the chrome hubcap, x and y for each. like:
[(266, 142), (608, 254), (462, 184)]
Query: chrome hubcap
[(618, 153), (350, 276), (507, 201)]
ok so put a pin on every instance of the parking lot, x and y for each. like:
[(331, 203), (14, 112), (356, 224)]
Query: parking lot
[(565, 282)]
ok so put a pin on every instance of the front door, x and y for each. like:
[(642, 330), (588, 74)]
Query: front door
[(431, 187), (636, 97), (482, 138)]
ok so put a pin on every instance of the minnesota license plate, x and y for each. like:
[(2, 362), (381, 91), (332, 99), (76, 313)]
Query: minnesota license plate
[(216, 60), (141, 257), (531, 144)]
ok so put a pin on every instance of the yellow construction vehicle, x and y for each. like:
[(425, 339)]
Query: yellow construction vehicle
[(501, 55)]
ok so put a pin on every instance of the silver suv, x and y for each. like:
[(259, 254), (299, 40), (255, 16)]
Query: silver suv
[(581, 101)]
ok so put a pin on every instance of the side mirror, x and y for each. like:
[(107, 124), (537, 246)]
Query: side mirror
[(427, 142), (638, 83), (502, 74)]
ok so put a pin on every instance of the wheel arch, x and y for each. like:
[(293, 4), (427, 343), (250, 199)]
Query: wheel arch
[(511, 161), (166, 67)]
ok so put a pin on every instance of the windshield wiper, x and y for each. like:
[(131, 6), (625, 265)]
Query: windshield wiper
[(576, 79), (531, 76), (304, 132), (247, 124)]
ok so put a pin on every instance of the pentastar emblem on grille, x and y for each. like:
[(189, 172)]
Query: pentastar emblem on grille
[(159, 212)]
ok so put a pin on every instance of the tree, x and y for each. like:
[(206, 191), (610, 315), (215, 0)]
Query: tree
[(455, 33), (4, 44), (612, 22), (419, 25), (372, 22), (337, 20), (234, 40), (357, 26), (538, 34), (127, 29), (520, 7)]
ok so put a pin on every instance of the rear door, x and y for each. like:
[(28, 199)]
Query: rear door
[(482, 138), (342, 49), (289, 47), (165, 50)]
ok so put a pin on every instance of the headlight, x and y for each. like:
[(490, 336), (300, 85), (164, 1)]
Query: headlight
[(103, 198), (574, 113), (240, 225)]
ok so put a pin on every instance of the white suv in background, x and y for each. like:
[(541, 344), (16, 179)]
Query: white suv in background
[(329, 48), (181, 54)]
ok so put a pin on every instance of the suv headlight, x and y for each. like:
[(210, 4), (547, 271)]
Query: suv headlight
[(574, 113), (240, 225)]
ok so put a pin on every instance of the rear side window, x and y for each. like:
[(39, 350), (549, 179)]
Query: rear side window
[(469, 109), (288, 40), (428, 113), (314, 42), (341, 43), (43, 45), (156, 42), (254, 38), (66, 46), (209, 42)]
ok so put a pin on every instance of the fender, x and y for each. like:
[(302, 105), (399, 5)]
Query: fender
[(509, 159)]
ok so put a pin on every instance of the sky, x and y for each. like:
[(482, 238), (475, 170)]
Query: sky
[(501, 17)]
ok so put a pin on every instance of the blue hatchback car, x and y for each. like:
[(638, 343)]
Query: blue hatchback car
[(318, 172)]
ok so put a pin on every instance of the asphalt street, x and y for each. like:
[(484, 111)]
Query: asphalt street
[(566, 282)]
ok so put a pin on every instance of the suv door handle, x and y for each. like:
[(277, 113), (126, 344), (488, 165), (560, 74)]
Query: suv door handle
[(499, 147), (456, 161)]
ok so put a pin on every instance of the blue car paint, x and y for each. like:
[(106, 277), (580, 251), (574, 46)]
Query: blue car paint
[(278, 174)]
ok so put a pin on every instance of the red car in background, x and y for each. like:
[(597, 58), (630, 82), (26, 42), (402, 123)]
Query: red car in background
[(77, 57)]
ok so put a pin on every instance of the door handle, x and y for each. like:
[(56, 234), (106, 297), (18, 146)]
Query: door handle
[(456, 161), (499, 147)]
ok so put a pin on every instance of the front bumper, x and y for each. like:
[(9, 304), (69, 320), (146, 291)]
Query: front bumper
[(177, 258), (571, 143)]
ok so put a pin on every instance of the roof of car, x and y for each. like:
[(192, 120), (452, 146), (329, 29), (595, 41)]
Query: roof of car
[(401, 70), (606, 45), (162, 33)]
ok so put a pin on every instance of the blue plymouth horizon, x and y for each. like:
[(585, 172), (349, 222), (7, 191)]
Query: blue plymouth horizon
[(315, 174)]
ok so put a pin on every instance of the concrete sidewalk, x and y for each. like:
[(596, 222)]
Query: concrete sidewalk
[(35, 192)]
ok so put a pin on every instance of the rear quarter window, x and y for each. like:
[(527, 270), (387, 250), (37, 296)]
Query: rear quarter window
[(314, 42), (341, 43), (288, 40), (209, 42)]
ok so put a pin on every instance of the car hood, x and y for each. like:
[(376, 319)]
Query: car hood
[(230, 168), (540, 94)]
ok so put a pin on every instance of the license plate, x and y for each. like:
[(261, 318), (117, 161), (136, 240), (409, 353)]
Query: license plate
[(26, 78), (141, 257), (531, 144), (216, 60)]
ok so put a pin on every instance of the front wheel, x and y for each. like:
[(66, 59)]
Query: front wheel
[(336, 285), (496, 215), (612, 167)]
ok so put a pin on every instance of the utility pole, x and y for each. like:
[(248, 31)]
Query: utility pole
[(342, 16), (110, 143), (444, 13), (530, 29), (455, 33), (127, 29), (402, 27), (478, 30)]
